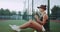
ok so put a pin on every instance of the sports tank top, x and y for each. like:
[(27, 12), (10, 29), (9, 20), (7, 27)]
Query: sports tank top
[(46, 25)]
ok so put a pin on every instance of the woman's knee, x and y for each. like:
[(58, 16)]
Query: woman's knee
[(30, 21)]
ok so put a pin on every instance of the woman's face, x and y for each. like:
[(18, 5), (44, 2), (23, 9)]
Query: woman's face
[(41, 10)]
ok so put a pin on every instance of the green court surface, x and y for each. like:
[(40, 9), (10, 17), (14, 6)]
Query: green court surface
[(4, 26), (55, 26)]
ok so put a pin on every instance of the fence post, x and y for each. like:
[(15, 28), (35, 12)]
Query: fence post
[(48, 15)]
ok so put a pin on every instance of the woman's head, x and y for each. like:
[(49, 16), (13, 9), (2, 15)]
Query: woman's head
[(42, 8)]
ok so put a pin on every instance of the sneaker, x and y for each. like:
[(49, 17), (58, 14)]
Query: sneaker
[(16, 28), (43, 29)]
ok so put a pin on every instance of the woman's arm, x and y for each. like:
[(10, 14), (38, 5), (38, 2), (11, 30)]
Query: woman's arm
[(45, 17)]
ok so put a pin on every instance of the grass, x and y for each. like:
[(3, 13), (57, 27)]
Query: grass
[(4, 26), (54, 26)]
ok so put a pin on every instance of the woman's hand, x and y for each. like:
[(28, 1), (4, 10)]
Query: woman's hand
[(36, 17)]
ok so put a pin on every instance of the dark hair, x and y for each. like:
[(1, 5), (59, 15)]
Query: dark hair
[(42, 6)]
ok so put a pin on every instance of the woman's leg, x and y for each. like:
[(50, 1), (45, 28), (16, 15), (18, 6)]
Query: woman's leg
[(36, 26), (31, 24), (25, 25)]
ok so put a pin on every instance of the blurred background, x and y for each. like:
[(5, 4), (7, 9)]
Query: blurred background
[(20, 11)]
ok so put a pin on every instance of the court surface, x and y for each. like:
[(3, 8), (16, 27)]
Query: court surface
[(4, 26)]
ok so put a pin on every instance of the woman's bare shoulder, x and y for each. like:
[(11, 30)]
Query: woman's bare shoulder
[(45, 15)]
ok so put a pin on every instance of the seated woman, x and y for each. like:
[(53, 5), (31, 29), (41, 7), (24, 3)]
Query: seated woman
[(38, 25)]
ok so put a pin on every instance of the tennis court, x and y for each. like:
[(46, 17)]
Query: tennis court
[(4, 26)]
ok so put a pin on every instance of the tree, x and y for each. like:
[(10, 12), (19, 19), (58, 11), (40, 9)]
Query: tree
[(25, 15), (7, 12), (19, 13), (55, 12), (1, 11), (4, 12), (13, 13)]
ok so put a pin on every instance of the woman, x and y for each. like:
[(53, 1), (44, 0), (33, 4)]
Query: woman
[(38, 24)]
